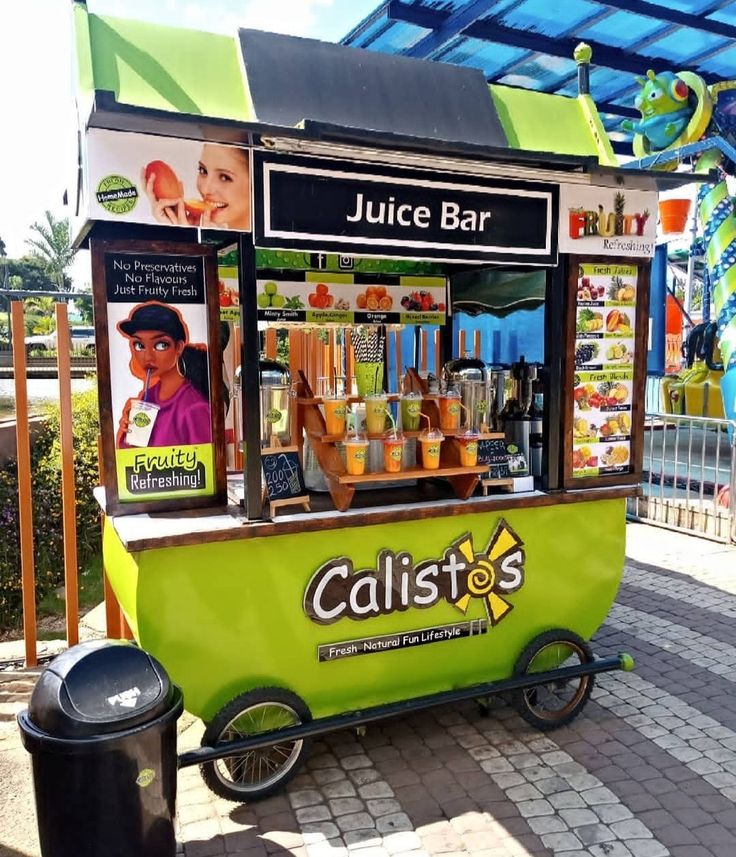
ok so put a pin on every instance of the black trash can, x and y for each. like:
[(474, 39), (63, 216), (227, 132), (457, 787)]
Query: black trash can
[(101, 730)]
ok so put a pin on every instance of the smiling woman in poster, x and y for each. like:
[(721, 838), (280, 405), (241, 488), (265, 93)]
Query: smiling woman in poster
[(173, 406), (223, 182)]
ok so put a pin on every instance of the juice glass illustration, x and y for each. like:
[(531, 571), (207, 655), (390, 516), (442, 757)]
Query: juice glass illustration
[(450, 410), (335, 414), (356, 453), (411, 405), (393, 453), (431, 441), (141, 419), (375, 413), (468, 443)]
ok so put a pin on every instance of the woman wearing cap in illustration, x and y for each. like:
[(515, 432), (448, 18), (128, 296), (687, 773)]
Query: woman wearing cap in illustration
[(223, 182), (175, 379)]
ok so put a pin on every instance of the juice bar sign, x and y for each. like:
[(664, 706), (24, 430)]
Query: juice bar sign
[(346, 207)]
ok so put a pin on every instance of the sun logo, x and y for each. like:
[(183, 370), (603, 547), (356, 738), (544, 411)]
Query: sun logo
[(496, 571)]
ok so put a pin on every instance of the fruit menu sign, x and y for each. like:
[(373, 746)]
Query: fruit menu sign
[(604, 369), (322, 298)]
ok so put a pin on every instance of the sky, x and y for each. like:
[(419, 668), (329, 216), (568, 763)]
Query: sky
[(38, 126)]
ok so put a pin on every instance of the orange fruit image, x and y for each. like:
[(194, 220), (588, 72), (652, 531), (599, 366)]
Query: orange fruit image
[(380, 291), (372, 302), (360, 301), (385, 302)]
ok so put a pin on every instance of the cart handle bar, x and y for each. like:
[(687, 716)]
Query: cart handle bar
[(323, 725)]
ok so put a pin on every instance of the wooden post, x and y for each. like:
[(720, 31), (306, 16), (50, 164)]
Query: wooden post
[(271, 343), (476, 344), (112, 608), (349, 362), (399, 363), (68, 492), (437, 354), (25, 505), (461, 347), (423, 352)]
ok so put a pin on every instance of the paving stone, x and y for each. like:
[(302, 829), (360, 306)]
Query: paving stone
[(496, 766), (532, 808), (562, 842), (350, 763), (383, 806), (610, 812), (523, 792), (358, 839), (402, 842), (341, 788), (318, 831), (647, 848), (567, 800), (327, 849), (578, 817), (309, 814), (374, 790), (394, 823), (631, 828), (609, 849), (547, 824), (329, 775), (309, 797), (504, 781)]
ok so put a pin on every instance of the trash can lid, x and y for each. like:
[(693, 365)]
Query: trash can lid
[(98, 688)]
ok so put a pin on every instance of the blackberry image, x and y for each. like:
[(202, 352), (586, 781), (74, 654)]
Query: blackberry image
[(585, 353)]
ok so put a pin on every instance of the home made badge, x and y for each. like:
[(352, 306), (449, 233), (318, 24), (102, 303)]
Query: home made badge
[(397, 583)]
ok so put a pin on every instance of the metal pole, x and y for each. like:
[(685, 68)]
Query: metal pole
[(690, 276), (250, 377)]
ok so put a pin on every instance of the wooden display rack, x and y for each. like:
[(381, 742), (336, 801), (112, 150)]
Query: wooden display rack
[(341, 485)]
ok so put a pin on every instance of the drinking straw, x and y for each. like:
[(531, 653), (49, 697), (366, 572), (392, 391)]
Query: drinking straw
[(375, 382), (393, 424), (145, 388), (334, 381)]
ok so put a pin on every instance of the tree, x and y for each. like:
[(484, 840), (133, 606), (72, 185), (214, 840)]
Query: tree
[(2, 248), (54, 247), (29, 273)]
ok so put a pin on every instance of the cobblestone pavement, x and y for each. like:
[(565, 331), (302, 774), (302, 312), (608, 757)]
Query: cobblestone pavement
[(648, 769)]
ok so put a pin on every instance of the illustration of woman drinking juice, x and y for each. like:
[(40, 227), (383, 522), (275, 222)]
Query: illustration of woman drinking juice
[(173, 408)]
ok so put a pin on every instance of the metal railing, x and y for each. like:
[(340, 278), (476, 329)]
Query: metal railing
[(689, 479)]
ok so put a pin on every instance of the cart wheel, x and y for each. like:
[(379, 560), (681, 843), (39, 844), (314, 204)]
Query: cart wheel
[(557, 703), (258, 773)]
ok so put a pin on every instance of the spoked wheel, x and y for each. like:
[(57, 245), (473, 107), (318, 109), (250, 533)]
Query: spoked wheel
[(257, 773), (556, 703)]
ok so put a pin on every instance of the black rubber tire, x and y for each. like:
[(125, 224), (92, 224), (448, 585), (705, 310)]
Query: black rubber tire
[(231, 778), (528, 701)]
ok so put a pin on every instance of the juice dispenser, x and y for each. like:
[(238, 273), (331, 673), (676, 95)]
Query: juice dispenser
[(275, 402)]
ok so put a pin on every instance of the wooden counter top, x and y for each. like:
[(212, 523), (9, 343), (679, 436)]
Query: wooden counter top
[(170, 529)]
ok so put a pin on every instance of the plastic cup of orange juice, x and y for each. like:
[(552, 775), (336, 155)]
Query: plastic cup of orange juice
[(375, 413), (431, 441), (468, 448), (450, 410), (335, 414), (356, 453), (393, 453)]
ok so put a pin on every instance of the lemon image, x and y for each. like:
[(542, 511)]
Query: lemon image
[(270, 288), (264, 301)]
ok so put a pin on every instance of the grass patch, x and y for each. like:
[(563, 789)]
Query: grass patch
[(90, 588)]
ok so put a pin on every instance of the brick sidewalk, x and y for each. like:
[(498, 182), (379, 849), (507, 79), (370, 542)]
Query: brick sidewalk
[(648, 770)]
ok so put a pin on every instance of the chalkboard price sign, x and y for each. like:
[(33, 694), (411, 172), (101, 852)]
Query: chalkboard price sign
[(494, 454), (283, 477)]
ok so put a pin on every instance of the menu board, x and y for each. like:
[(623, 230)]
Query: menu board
[(605, 317), (329, 298)]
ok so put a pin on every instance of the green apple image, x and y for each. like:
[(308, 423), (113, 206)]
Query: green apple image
[(270, 288), (278, 301), (264, 301)]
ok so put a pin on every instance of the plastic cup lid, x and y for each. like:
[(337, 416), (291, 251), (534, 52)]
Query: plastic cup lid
[(376, 396), (390, 437), (411, 396), (450, 394), (470, 434), (431, 434), (356, 439)]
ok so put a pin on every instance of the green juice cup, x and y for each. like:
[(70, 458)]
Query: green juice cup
[(411, 406), (375, 413), (368, 378)]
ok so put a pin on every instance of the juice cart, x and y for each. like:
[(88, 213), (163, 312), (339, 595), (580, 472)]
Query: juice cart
[(284, 611)]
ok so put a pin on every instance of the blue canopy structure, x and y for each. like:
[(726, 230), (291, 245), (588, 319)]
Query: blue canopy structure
[(530, 43)]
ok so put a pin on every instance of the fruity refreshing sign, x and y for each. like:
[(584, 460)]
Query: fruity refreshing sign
[(607, 221), (139, 178), (460, 577), (162, 406), (604, 373), (375, 210), (322, 297)]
